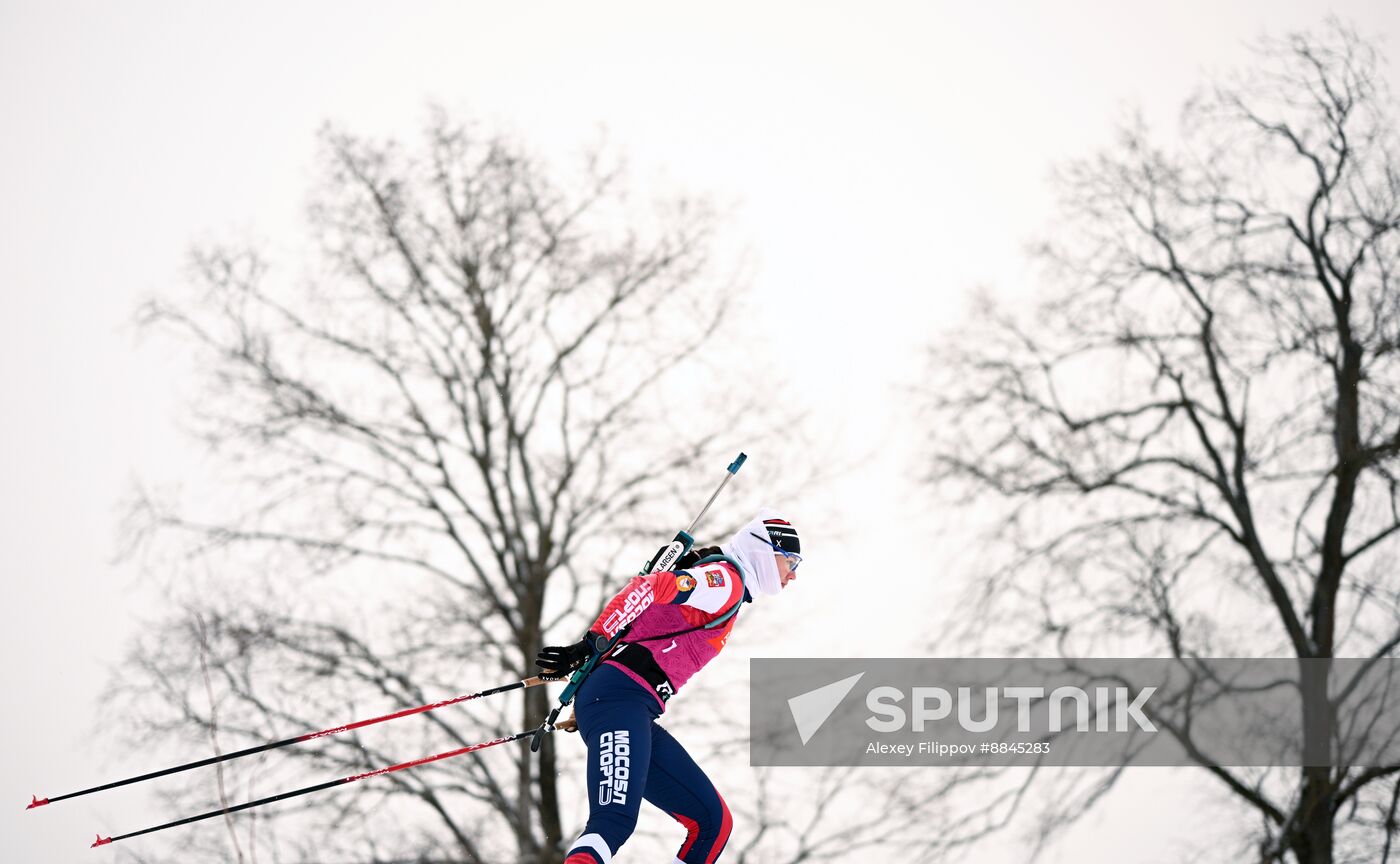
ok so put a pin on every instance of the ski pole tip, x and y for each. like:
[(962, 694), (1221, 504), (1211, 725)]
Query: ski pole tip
[(36, 801), (737, 463), (101, 841)]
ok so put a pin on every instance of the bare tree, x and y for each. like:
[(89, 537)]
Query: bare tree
[(1195, 436), (433, 450)]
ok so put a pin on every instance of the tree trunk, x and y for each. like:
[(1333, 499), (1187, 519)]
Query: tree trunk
[(1313, 831), (549, 782)]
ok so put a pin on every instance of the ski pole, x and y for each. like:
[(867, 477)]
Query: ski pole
[(273, 745), (661, 561), (248, 805), (683, 540)]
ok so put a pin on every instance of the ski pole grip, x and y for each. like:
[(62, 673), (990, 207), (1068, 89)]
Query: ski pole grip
[(544, 727), (671, 553), (737, 463)]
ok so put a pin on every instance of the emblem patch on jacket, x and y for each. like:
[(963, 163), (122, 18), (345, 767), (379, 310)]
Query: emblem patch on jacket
[(685, 582), (714, 578)]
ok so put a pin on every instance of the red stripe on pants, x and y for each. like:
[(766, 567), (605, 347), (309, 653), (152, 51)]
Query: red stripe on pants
[(725, 826), (692, 830)]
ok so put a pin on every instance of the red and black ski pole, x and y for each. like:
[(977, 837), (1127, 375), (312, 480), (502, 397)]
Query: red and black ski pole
[(460, 751), (273, 745)]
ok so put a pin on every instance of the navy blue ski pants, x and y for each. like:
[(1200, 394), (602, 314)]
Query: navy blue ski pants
[(630, 758)]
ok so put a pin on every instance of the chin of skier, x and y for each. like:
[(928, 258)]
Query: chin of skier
[(674, 623)]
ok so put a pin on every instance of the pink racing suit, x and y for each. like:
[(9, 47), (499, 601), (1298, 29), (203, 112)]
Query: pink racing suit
[(663, 603)]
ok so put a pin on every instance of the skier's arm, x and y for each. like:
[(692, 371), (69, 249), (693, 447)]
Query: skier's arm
[(710, 589)]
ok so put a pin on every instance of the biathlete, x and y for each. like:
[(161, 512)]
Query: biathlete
[(673, 624)]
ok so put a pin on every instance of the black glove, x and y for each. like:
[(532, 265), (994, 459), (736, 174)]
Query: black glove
[(556, 661)]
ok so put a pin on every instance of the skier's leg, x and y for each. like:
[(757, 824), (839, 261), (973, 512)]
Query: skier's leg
[(615, 720), (678, 786)]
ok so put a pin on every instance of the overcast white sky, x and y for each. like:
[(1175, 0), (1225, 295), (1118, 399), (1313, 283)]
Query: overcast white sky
[(884, 159)]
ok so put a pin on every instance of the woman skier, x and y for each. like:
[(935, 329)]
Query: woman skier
[(673, 623)]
